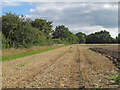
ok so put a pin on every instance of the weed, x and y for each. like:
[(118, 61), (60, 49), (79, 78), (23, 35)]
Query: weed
[(9, 78), (22, 65), (31, 86), (70, 51), (101, 71), (17, 68), (87, 73), (116, 79), (79, 75), (92, 52)]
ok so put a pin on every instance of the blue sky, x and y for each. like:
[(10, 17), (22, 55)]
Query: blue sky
[(87, 17), (20, 8)]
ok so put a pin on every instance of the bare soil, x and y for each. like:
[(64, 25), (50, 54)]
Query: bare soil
[(112, 52), (67, 67)]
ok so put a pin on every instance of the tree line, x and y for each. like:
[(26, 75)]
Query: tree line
[(21, 32)]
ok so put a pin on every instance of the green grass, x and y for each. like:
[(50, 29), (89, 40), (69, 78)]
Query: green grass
[(29, 53), (17, 68), (22, 65), (116, 79), (101, 71), (92, 52), (70, 51)]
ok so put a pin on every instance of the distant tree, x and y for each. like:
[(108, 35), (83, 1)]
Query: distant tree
[(99, 37), (65, 35), (118, 38), (61, 32), (113, 40), (82, 37), (21, 32), (0, 24)]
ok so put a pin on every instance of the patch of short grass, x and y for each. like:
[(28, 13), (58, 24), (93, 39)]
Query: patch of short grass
[(70, 51), (92, 52), (17, 68), (26, 52), (22, 65)]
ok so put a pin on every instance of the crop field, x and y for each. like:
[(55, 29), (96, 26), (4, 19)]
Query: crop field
[(74, 66)]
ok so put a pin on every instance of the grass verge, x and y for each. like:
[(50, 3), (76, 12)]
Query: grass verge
[(28, 53)]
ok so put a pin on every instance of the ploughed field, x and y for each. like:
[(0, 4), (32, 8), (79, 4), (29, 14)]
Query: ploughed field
[(110, 51), (72, 66)]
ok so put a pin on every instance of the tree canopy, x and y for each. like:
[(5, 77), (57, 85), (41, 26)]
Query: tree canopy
[(64, 34), (21, 32), (102, 36), (82, 37)]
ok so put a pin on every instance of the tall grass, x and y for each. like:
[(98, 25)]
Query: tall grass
[(12, 53)]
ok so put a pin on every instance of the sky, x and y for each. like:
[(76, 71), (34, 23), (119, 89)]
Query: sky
[(87, 17)]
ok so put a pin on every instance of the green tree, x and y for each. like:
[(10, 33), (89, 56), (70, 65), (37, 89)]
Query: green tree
[(65, 35), (118, 38), (99, 37), (57, 41), (82, 37), (20, 32), (61, 32), (43, 26)]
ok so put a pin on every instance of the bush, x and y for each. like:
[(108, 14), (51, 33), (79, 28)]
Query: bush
[(5, 41), (57, 41)]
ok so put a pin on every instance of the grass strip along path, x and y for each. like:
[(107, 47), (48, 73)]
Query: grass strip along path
[(29, 53)]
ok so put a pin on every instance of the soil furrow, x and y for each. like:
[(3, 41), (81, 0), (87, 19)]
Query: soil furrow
[(47, 76), (96, 70), (31, 72), (29, 78), (68, 67)]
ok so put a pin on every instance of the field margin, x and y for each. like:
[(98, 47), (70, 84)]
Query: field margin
[(30, 53)]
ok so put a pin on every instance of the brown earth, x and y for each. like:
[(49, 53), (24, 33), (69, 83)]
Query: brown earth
[(112, 52), (71, 67)]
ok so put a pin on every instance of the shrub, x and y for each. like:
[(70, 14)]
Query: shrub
[(57, 41)]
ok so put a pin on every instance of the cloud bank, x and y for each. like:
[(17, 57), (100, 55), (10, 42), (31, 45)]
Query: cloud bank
[(87, 17), (79, 17)]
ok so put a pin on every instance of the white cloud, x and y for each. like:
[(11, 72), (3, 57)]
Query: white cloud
[(56, 6), (62, 6), (84, 17), (92, 29), (63, 0), (103, 6), (9, 3), (109, 6)]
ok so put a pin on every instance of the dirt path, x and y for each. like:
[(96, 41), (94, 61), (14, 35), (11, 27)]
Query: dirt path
[(71, 66)]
